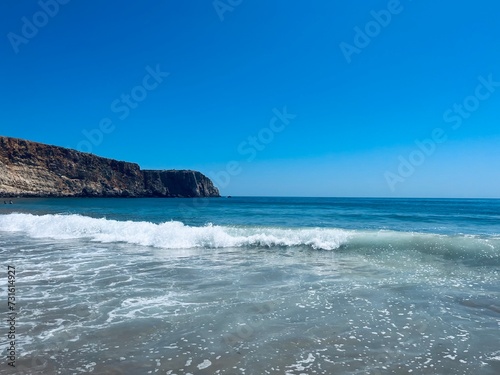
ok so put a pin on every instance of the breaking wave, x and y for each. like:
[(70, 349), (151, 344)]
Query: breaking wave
[(176, 235), (169, 235)]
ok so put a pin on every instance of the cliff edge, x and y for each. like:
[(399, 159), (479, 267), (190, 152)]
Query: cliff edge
[(30, 169)]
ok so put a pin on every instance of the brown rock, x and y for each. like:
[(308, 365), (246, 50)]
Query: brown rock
[(31, 169)]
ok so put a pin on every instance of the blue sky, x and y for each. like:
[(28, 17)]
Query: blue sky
[(266, 97)]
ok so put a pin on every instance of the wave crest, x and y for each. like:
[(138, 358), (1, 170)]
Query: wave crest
[(170, 235)]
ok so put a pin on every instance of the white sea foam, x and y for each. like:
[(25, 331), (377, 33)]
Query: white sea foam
[(176, 235), (170, 235)]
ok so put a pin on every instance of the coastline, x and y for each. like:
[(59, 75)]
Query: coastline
[(31, 169)]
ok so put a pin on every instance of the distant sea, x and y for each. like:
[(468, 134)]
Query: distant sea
[(253, 286)]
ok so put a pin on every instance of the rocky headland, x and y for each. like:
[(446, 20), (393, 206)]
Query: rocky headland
[(30, 169)]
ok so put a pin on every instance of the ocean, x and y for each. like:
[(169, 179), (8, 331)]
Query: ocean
[(248, 285)]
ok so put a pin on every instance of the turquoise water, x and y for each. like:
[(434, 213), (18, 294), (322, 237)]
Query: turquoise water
[(448, 216), (255, 285)]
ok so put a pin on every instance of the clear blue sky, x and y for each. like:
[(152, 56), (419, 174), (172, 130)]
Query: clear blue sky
[(356, 104)]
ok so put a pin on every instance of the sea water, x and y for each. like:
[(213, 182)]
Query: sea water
[(253, 286)]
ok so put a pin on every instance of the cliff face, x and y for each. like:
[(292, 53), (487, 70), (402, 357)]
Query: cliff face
[(32, 169)]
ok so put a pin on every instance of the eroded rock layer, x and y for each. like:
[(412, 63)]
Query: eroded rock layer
[(31, 169)]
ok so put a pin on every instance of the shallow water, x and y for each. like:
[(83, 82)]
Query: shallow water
[(152, 296)]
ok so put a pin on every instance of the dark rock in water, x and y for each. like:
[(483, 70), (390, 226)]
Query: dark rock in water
[(178, 184), (29, 169)]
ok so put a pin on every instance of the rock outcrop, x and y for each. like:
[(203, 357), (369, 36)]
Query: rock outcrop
[(31, 169)]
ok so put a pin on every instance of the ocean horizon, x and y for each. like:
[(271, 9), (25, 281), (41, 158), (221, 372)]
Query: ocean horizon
[(324, 158), (254, 285)]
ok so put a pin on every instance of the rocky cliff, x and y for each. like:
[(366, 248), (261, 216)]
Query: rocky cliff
[(30, 169)]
